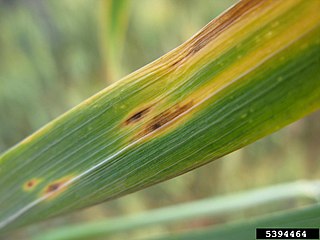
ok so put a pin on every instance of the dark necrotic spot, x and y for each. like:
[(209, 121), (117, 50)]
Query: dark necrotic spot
[(57, 187), (30, 184), (165, 117), (137, 116), (155, 126), (53, 187)]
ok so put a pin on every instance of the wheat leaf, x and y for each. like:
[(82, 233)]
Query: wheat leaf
[(246, 74)]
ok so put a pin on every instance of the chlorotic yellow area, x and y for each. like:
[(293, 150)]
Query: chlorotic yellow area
[(271, 43)]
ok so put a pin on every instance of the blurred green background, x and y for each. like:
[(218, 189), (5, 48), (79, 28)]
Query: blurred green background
[(56, 53)]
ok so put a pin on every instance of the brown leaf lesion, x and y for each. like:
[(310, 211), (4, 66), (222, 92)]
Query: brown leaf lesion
[(31, 184), (215, 28), (164, 118), (137, 116), (55, 188)]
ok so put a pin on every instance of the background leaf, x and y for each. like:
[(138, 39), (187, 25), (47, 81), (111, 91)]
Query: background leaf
[(298, 218), (213, 207)]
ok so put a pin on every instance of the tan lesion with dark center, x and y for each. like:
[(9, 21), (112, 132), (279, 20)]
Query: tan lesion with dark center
[(164, 118), (57, 187), (31, 184), (137, 116), (53, 187)]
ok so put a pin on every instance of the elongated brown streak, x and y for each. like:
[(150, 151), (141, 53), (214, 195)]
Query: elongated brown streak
[(164, 118), (215, 28), (137, 116)]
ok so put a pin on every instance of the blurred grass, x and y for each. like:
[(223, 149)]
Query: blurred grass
[(210, 207), (51, 59), (303, 218), (48, 63), (113, 22)]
